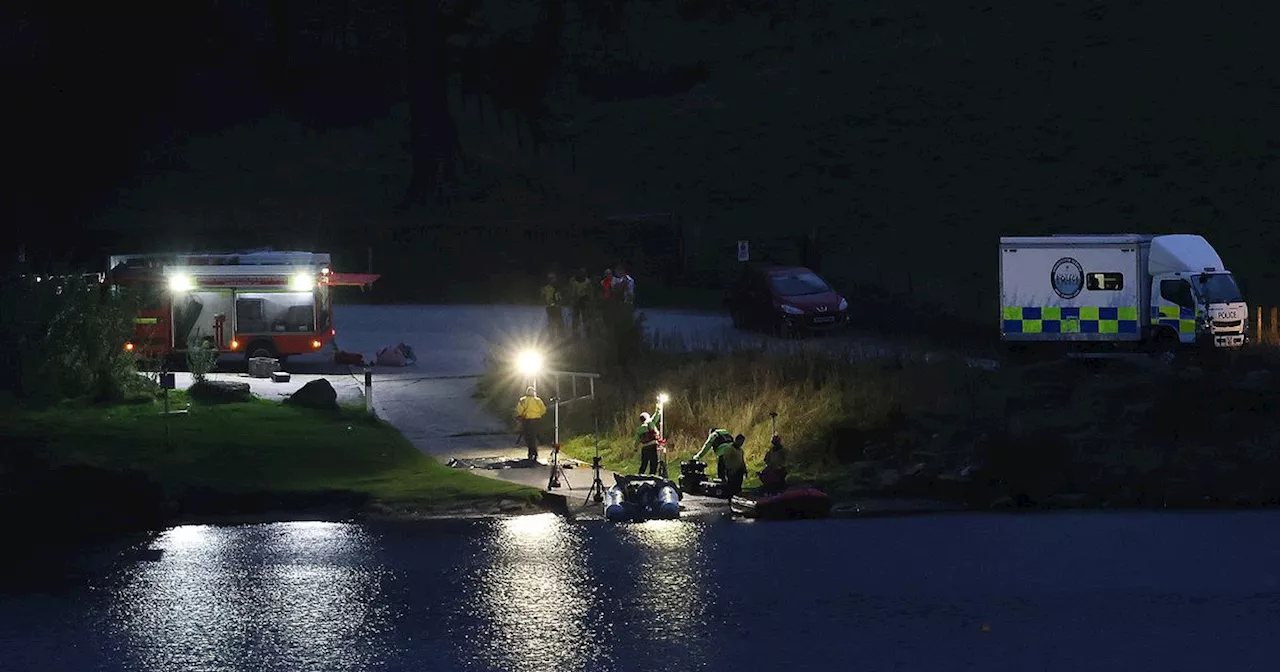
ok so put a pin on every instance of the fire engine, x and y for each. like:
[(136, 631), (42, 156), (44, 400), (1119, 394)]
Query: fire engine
[(259, 303)]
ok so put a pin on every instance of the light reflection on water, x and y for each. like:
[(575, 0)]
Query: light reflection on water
[(1062, 592), (670, 583), (538, 593), (302, 595), (536, 596)]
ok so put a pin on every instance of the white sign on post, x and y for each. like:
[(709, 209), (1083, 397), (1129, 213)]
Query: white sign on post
[(744, 253)]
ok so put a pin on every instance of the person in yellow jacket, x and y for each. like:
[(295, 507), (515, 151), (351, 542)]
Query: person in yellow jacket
[(529, 412), (735, 464), (551, 299), (731, 465), (580, 295)]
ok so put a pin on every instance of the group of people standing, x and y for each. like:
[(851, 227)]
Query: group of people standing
[(731, 463), (588, 301)]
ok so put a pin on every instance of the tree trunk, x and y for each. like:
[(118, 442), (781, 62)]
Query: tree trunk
[(434, 145)]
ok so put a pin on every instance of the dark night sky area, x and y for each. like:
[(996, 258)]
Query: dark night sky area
[(876, 124), (99, 84)]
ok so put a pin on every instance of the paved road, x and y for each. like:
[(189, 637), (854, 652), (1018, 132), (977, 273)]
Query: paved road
[(432, 403)]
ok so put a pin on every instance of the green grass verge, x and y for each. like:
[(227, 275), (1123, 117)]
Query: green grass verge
[(251, 447)]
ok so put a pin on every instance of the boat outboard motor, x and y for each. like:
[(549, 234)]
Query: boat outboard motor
[(692, 474), (646, 496)]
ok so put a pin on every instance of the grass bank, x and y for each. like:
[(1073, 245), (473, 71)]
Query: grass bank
[(240, 459), (1046, 434)]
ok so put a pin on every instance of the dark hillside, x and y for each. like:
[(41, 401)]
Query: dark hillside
[(908, 136)]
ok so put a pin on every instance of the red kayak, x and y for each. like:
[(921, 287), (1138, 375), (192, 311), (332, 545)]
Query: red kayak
[(788, 505)]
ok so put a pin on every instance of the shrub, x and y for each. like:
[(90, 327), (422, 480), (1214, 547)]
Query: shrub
[(202, 356), (63, 337)]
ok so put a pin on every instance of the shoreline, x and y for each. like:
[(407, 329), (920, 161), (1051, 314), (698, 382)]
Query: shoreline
[(859, 508)]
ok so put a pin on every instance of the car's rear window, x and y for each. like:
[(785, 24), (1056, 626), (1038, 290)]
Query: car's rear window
[(797, 283)]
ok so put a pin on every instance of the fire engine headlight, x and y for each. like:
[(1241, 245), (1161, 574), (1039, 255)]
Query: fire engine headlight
[(302, 282), (180, 282)]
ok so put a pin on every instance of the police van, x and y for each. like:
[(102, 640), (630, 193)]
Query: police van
[(1167, 291)]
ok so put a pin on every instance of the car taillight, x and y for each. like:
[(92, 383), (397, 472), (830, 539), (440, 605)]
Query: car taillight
[(235, 345), (128, 347)]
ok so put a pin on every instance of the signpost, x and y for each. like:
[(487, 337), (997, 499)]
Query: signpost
[(167, 383), (744, 251)]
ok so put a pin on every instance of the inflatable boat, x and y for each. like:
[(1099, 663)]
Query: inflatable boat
[(641, 498), (787, 505)]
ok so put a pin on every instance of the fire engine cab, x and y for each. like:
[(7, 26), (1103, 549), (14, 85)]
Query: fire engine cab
[(259, 303)]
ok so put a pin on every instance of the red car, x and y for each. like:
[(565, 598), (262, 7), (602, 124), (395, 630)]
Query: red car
[(786, 300)]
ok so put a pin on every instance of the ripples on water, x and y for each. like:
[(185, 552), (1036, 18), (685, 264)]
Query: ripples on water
[(296, 594), (553, 599), (1073, 592), (529, 593)]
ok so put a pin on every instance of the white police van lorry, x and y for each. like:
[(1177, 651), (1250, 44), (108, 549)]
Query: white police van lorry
[(1165, 291)]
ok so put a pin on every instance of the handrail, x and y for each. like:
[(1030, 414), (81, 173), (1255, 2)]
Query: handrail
[(576, 374), (573, 382)]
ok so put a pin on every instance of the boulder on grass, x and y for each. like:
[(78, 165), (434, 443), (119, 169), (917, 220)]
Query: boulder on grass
[(220, 391), (315, 394)]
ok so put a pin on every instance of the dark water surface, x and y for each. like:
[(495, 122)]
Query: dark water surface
[(1184, 591)]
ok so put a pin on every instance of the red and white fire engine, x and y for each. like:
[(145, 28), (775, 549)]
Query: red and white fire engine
[(260, 303)]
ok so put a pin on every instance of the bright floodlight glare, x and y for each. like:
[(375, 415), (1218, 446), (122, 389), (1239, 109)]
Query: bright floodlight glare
[(302, 282), (529, 362), (180, 283), (663, 398)]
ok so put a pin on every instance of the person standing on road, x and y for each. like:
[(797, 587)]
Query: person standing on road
[(529, 412), (580, 295), (604, 285), (647, 442), (623, 286), (618, 307), (551, 299)]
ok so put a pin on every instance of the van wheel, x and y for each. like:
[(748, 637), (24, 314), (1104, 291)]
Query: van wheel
[(260, 349)]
